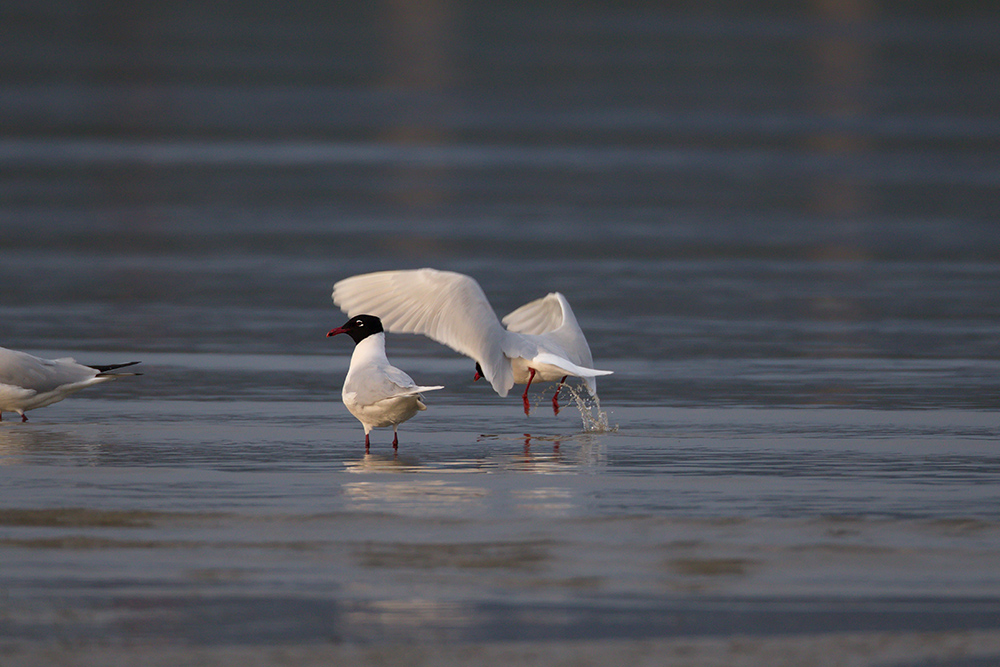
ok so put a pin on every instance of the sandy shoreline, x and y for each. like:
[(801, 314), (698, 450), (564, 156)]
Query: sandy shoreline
[(855, 649)]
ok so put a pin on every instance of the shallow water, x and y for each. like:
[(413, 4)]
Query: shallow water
[(777, 228)]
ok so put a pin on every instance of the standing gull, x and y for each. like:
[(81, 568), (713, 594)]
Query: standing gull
[(542, 341), (375, 391), (28, 382)]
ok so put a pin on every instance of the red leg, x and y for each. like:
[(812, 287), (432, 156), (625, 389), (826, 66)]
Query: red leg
[(531, 376), (395, 440), (366, 443), (24, 418), (555, 397)]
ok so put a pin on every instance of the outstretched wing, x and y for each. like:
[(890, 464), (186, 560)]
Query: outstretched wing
[(537, 317), (447, 307), (552, 318)]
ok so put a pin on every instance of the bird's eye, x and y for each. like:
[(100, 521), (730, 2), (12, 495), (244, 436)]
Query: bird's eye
[(359, 323)]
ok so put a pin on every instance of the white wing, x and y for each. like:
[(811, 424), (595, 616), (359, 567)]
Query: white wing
[(447, 307), (538, 316), (560, 362), (404, 382), (20, 369), (552, 319)]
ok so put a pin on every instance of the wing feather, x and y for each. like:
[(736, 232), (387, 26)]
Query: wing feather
[(24, 370), (447, 307), (552, 318), (404, 384), (536, 317)]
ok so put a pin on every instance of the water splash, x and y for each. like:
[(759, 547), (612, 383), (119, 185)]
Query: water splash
[(594, 419)]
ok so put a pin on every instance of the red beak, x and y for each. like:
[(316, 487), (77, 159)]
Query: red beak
[(334, 332), (477, 376)]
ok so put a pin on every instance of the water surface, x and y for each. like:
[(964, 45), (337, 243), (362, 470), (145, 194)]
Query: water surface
[(776, 226)]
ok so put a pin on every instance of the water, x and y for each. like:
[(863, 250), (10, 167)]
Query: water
[(777, 226)]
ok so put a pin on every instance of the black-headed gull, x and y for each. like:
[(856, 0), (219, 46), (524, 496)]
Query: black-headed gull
[(28, 382), (376, 392), (542, 341)]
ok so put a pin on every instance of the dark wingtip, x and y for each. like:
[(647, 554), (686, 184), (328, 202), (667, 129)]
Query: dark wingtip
[(111, 367)]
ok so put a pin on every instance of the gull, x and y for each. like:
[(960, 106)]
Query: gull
[(28, 382), (542, 340), (376, 392)]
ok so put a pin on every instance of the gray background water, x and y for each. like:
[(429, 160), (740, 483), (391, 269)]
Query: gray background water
[(777, 225)]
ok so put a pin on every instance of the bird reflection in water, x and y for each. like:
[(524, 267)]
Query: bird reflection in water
[(383, 463), (555, 444), (20, 446), (414, 496)]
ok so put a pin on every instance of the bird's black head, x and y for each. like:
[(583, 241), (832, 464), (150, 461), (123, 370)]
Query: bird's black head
[(479, 372), (359, 327)]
